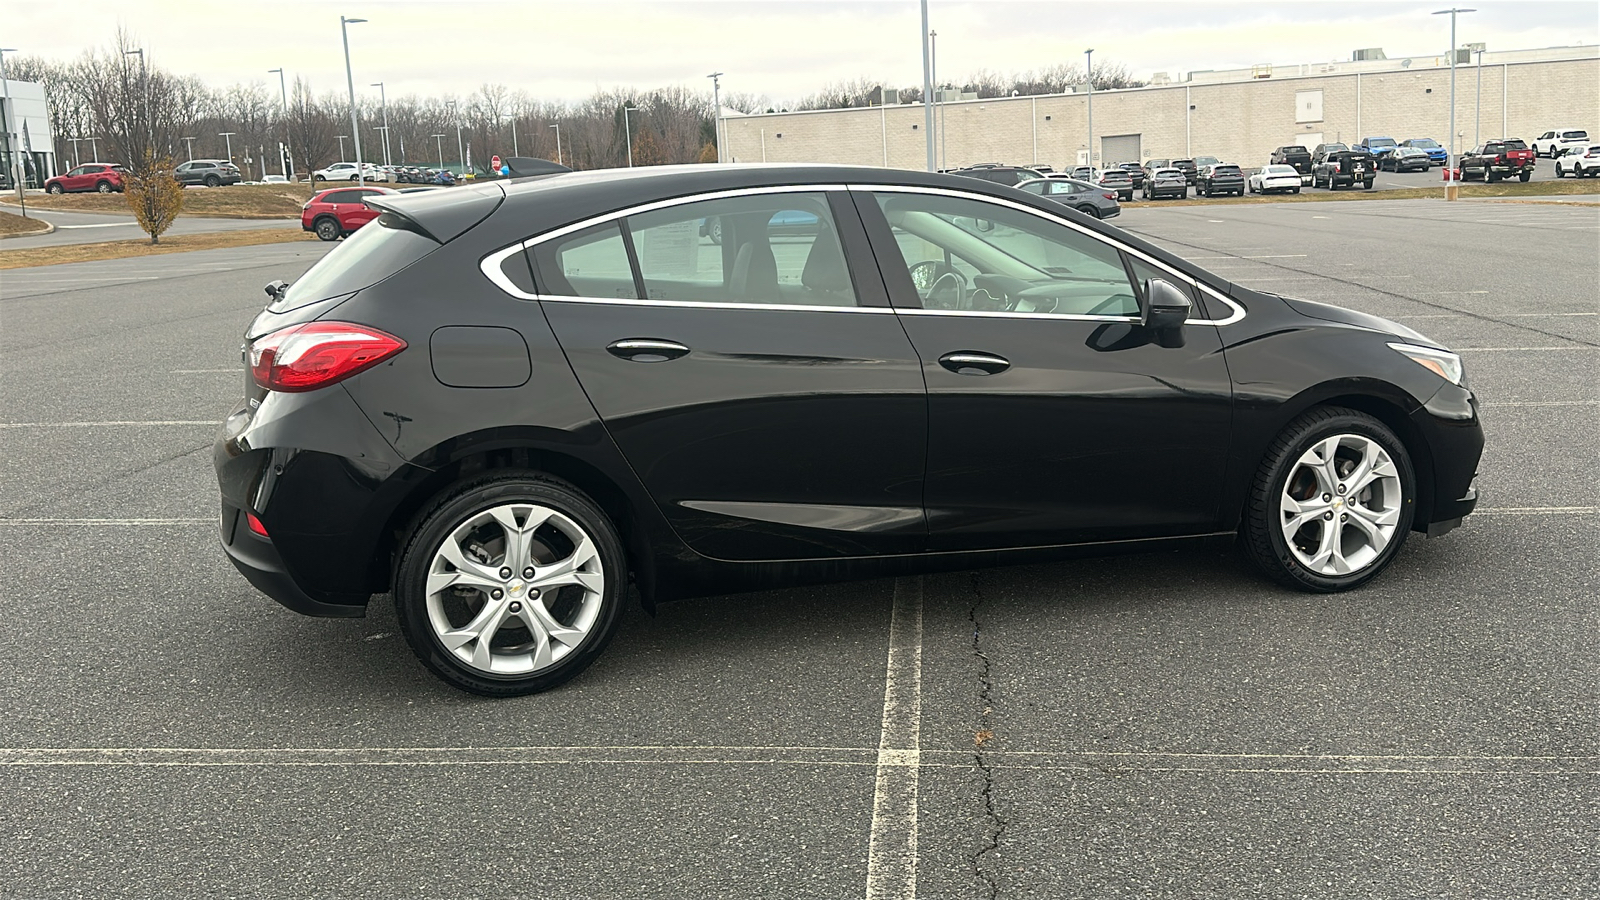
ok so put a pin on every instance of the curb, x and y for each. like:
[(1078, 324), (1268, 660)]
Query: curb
[(49, 228)]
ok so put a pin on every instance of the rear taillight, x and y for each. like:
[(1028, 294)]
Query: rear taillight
[(254, 524), (317, 354)]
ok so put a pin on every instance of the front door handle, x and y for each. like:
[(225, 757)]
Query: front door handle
[(647, 350), (972, 362)]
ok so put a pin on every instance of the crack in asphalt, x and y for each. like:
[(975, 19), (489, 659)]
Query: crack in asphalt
[(982, 737), (1157, 239)]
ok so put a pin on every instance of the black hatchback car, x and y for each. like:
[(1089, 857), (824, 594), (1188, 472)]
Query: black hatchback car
[(505, 402)]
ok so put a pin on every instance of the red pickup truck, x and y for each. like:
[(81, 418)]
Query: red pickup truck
[(1495, 160)]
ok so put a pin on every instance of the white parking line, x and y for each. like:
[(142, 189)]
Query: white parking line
[(124, 522), (1515, 349), (98, 225), (892, 851), (1537, 510), (1540, 403), (103, 424)]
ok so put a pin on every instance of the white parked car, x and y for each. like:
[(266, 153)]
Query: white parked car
[(346, 171), (1554, 141), (1580, 162), (1273, 178)]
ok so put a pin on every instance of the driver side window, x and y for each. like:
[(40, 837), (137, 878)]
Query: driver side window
[(973, 256)]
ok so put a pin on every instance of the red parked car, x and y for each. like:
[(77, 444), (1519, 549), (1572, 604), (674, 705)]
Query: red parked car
[(336, 212), (102, 177)]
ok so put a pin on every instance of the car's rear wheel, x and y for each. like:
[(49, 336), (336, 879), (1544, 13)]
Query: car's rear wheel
[(510, 585), (319, 178), (1088, 210), (1524, 176), (1332, 502), (327, 228), (213, 181), (103, 187)]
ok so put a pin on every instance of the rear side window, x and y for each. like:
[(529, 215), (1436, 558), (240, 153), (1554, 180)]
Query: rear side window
[(339, 197), (588, 263), (376, 251)]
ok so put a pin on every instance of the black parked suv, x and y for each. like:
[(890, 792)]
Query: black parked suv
[(1191, 171), (209, 172), (506, 403), (1221, 179), (1011, 175), (1135, 171)]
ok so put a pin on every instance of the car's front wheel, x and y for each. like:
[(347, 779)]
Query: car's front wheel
[(1332, 502), (54, 189), (510, 584)]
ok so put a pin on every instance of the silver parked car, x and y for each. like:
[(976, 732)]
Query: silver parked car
[(1090, 199)]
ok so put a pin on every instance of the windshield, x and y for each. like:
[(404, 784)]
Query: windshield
[(1515, 144), (376, 251), (1380, 142), (1426, 143)]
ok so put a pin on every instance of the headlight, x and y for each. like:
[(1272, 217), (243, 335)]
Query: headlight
[(1442, 363)]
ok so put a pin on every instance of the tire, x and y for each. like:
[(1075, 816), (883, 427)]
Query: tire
[(1524, 176), (1296, 190), (536, 644), (327, 228), (1366, 185), (1559, 173), (103, 187), (1089, 211), (1287, 487), (1489, 177), (213, 181), (714, 230), (55, 189), (316, 178)]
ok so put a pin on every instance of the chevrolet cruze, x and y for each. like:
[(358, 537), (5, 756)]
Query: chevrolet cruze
[(506, 403)]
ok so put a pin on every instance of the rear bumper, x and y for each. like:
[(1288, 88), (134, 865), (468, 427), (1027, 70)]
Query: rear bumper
[(258, 561)]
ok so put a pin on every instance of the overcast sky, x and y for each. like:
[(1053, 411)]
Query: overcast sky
[(783, 49)]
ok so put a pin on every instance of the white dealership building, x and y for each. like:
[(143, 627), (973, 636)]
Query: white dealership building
[(1237, 115)]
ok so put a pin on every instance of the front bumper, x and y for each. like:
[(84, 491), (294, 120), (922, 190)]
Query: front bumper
[(1453, 432)]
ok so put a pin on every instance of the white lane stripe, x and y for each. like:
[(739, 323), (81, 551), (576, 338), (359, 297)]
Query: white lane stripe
[(1501, 315), (1516, 349), (892, 851), (99, 225), (1277, 256), (1536, 510), (106, 424), (1510, 403), (204, 371), (113, 522)]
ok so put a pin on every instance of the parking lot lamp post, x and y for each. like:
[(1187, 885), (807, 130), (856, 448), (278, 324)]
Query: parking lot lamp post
[(283, 94), (228, 136), (1088, 76), (188, 144), (927, 89), (439, 139), (515, 151), (341, 138), (716, 103), (383, 104), (350, 82), (557, 127), (933, 73), (1477, 115), (455, 114), (1453, 162), (627, 132), (75, 149), (144, 79)]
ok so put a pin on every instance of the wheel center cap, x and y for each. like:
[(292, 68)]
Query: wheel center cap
[(1338, 502), (515, 589)]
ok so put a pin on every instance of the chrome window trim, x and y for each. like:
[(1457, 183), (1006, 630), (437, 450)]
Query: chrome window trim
[(1237, 310), (1002, 314), (491, 265), (708, 304)]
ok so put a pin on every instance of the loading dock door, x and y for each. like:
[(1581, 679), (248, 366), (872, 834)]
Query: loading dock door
[(1115, 148)]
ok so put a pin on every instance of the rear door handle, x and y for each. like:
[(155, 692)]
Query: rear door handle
[(973, 362), (647, 350)]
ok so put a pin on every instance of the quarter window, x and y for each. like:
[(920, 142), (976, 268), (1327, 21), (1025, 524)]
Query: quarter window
[(971, 255), (588, 263), (780, 249)]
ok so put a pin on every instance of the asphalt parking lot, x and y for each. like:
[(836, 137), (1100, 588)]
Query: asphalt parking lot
[(1153, 726)]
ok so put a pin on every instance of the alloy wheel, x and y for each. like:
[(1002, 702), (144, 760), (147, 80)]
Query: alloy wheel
[(514, 589), (1341, 504)]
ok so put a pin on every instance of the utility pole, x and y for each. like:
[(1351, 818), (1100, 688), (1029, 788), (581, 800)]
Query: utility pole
[(939, 158), (557, 127), (515, 151), (228, 136), (716, 101), (350, 82), (144, 80), (627, 132), (383, 103), (188, 143), (1088, 76), (287, 158), (341, 138), (927, 89), (1477, 116), (439, 139)]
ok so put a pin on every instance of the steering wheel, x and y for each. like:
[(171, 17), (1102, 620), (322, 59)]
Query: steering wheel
[(932, 275)]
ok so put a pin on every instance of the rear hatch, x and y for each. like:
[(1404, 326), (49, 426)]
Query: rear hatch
[(1517, 153)]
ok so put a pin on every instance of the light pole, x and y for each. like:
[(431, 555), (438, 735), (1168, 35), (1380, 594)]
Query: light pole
[(1453, 163), (283, 94), (188, 143), (1088, 76), (455, 113), (557, 127), (350, 82), (228, 136), (439, 139), (927, 88), (1477, 116), (75, 141), (341, 138), (939, 159), (383, 104), (515, 151), (716, 102), (627, 132)]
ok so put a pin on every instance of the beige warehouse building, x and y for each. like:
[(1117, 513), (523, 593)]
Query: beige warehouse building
[(1238, 115)]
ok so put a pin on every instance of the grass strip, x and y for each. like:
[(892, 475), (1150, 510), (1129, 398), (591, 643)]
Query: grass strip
[(182, 243)]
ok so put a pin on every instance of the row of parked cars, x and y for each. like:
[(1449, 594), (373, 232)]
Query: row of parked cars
[(398, 174)]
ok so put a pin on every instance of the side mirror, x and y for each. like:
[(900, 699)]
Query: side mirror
[(1163, 307)]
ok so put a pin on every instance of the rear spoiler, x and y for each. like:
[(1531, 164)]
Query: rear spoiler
[(531, 167)]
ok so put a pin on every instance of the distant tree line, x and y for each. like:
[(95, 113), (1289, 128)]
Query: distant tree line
[(140, 113)]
